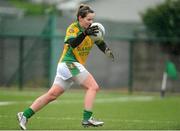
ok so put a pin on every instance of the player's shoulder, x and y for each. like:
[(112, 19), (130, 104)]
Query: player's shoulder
[(73, 27)]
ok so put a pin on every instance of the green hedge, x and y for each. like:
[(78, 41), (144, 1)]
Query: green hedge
[(164, 21)]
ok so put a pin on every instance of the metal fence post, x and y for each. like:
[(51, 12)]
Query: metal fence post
[(21, 52), (130, 87)]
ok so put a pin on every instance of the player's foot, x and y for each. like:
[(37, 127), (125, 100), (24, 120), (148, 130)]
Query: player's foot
[(22, 120), (92, 122)]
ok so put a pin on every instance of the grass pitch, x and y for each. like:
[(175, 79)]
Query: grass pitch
[(119, 111)]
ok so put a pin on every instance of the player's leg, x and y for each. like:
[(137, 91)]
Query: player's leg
[(43, 100), (86, 80), (91, 89), (58, 87), (38, 104)]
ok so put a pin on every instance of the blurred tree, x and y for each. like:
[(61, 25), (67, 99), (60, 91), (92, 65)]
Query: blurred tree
[(35, 9), (164, 22)]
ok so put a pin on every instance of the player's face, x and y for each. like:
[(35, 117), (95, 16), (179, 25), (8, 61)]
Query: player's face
[(87, 21)]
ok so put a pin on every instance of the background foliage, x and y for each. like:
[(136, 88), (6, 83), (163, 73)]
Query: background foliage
[(34, 9), (164, 20)]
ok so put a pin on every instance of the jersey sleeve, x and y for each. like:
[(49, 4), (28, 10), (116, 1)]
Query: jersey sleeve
[(72, 32)]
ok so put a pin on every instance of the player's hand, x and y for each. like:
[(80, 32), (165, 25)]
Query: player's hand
[(109, 53), (92, 30)]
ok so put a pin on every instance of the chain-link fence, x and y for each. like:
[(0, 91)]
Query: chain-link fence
[(24, 60)]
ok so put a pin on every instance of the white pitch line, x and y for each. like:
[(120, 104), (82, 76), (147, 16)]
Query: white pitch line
[(125, 99), (4, 103), (98, 100)]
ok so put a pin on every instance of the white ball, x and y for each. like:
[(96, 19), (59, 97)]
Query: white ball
[(101, 32)]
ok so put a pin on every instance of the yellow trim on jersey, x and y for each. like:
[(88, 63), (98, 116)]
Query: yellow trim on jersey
[(75, 51), (72, 31), (66, 47)]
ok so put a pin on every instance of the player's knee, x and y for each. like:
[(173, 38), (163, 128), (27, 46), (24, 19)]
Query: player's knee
[(96, 88)]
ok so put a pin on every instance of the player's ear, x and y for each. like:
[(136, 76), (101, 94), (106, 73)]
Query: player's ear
[(79, 18)]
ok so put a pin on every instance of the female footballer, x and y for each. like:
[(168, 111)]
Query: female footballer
[(70, 69)]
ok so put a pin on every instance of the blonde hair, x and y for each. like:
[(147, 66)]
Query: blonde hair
[(83, 10)]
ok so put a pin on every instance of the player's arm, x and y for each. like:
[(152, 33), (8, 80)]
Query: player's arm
[(104, 48), (74, 42)]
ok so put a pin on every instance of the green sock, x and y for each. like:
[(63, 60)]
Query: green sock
[(28, 113), (87, 115)]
